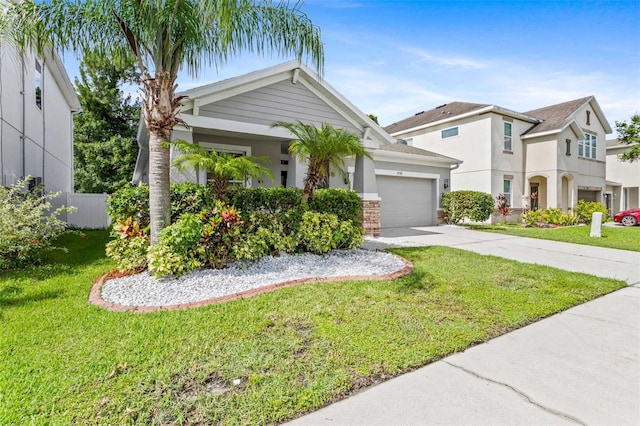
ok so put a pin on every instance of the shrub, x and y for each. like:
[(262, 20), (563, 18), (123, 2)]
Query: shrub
[(272, 200), (133, 201), (344, 204), (262, 235), (473, 205), (322, 232), (130, 201), (178, 251), (553, 216), (584, 211), (196, 240), (28, 224), (129, 253)]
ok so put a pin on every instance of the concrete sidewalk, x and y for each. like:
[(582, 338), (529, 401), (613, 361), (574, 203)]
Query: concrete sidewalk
[(581, 366)]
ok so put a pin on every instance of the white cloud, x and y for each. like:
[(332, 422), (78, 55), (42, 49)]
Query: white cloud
[(444, 60)]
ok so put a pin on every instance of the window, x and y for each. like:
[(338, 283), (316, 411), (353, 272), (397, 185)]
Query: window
[(587, 147), (38, 84), (448, 133), (506, 190), (508, 139)]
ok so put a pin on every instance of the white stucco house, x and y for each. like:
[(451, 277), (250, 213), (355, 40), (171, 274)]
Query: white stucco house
[(555, 152), (623, 179), (37, 104), (400, 186)]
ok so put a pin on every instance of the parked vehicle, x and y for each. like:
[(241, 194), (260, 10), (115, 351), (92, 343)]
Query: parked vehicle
[(628, 217)]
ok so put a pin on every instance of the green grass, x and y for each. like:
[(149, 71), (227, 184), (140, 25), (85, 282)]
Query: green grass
[(65, 361), (618, 237)]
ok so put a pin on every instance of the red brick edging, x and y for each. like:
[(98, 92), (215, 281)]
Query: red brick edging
[(95, 296)]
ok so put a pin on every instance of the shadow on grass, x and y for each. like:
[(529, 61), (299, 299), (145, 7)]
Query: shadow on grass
[(19, 299)]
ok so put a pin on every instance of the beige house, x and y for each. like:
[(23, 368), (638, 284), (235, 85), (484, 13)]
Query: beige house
[(623, 179), (37, 104), (555, 153), (399, 185)]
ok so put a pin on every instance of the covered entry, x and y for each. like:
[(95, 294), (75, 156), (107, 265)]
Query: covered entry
[(406, 201)]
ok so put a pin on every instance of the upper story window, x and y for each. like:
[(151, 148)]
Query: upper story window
[(587, 147), (38, 84), (448, 133), (508, 138)]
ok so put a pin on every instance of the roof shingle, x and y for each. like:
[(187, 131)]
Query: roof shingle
[(439, 113), (556, 116)]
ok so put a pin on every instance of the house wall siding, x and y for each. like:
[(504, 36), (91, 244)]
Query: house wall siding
[(47, 153), (282, 101)]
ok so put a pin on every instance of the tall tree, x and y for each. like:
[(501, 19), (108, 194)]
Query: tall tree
[(104, 134), (222, 167), (322, 148), (165, 37), (629, 133)]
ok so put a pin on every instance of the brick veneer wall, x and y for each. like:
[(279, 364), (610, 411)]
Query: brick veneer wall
[(371, 217)]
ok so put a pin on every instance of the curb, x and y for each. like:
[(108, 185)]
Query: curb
[(95, 296)]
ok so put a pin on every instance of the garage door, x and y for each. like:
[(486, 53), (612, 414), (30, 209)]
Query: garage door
[(405, 201), (588, 195)]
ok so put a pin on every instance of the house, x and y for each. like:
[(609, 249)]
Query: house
[(623, 179), (547, 157), (399, 186), (37, 104)]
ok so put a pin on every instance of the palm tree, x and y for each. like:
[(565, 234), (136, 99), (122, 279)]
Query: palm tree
[(165, 37), (222, 166), (321, 147)]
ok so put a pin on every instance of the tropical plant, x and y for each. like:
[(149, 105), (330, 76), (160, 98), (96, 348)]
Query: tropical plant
[(165, 37), (222, 166), (502, 206), (322, 148)]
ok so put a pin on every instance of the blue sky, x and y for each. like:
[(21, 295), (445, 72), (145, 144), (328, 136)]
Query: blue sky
[(396, 58)]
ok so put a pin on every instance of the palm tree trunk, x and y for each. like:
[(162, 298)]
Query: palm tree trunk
[(159, 194), (159, 110)]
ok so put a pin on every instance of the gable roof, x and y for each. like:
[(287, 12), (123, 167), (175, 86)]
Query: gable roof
[(558, 117), (439, 113), (297, 72)]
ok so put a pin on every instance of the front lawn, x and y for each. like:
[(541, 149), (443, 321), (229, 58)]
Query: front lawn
[(254, 361), (616, 237)]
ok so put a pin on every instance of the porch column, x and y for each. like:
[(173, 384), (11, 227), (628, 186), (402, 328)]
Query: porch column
[(182, 133), (364, 183)]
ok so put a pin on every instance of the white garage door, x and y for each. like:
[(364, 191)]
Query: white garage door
[(405, 201)]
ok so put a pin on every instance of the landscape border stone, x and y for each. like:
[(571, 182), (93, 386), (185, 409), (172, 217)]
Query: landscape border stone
[(95, 296)]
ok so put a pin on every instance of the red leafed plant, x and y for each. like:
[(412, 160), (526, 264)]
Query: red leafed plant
[(502, 207)]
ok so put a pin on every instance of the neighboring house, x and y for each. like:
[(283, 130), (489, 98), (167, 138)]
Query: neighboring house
[(401, 183), (37, 104), (555, 153), (623, 179)]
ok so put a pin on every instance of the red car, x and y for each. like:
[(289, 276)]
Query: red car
[(628, 217)]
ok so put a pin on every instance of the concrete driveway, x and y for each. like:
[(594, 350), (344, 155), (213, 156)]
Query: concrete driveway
[(581, 366)]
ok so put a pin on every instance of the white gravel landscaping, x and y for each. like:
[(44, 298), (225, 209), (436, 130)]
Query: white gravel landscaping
[(144, 290)]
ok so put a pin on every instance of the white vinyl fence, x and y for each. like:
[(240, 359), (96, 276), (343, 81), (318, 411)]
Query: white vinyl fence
[(91, 210)]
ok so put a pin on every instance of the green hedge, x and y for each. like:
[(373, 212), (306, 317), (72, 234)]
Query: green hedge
[(133, 201), (473, 205)]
